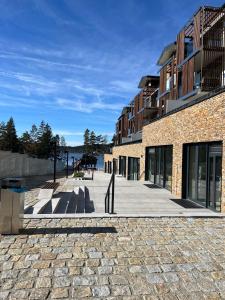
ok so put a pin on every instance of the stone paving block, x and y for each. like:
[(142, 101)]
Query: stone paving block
[(32, 257), (121, 290), (19, 294), (25, 284), (88, 271), (107, 262), (105, 270), (27, 274), (46, 273), (84, 280), (118, 280), (7, 266), (95, 254), (48, 256), (43, 282), (62, 282), (185, 261), (59, 293), (61, 272), (153, 268), (100, 291), (81, 292), (39, 294), (9, 274), (41, 264), (4, 294), (154, 278)]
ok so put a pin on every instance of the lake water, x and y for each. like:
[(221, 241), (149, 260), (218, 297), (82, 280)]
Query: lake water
[(100, 162)]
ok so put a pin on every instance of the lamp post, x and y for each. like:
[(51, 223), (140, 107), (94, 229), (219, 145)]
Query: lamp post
[(54, 149), (55, 160), (67, 161), (73, 161)]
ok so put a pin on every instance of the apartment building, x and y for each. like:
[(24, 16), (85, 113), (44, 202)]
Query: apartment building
[(193, 64), (142, 109), (181, 121)]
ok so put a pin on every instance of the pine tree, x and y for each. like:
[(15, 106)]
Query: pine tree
[(26, 142), (2, 135), (62, 142), (92, 141), (11, 142), (33, 140), (45, 136), (87, 140)]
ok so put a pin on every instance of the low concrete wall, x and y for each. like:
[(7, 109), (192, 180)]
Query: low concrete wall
[(15, 164)]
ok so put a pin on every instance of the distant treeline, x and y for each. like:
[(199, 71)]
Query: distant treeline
[(97, 149), (94, 143), (38, 142)]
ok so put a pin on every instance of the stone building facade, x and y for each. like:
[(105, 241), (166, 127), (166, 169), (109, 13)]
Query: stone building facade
[(201, 121)]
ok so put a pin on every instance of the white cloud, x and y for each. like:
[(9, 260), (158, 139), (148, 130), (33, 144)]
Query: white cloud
[(67, 132), (88, 107), (124, 86)]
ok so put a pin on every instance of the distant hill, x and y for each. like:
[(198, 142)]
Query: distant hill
[(98, 148)]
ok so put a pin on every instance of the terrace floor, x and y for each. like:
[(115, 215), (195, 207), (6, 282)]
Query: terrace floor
[(131, 198), (115, 258)]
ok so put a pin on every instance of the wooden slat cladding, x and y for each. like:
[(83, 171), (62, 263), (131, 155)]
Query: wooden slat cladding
[(180, 47), (184, 79), (197, 30), (162, 84), (214, 56), (188, 77)]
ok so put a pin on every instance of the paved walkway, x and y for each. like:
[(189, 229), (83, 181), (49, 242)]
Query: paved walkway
[(118, 258), (131, 197)]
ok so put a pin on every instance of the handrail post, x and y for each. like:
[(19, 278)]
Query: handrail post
[(113, 189), (108, 202)]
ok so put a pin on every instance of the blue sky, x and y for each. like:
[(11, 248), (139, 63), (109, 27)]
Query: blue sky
[(75, 63)]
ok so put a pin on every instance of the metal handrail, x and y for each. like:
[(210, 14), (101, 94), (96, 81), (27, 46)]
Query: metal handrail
[(109, 207)]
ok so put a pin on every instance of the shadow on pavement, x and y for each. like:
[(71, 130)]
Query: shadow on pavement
[(68, 230), (89, 204), (152, 186), (186, 203)]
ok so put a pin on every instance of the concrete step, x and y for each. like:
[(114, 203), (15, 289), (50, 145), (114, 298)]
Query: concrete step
[(40, 206), (55, 203), (79, 193)]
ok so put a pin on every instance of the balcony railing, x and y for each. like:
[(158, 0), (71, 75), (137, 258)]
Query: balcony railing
[(132, 137), (130, 115), (150, 103)]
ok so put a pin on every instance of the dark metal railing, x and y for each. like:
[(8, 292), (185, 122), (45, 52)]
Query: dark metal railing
[(109, 197)]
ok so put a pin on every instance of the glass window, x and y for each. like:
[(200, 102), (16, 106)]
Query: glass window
[(133, 168), (202, 166), (151, 164), (191, 173), (203, 171), (168, 167), (159, 166)]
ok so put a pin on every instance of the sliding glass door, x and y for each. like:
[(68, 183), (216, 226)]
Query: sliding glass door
[(202, 174), (122, 165), (159, 166), (215, 177), (150, 170), (133, 168)]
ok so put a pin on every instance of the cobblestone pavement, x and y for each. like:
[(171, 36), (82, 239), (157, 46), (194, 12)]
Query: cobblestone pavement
[(116, 258)]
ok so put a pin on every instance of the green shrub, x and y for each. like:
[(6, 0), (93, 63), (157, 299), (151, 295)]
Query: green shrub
[(78, 174)]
